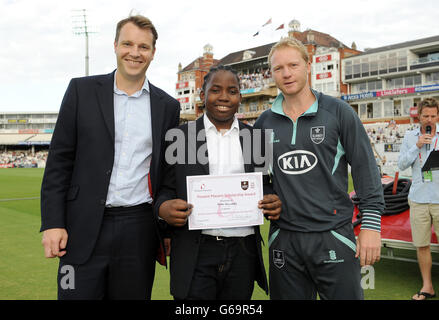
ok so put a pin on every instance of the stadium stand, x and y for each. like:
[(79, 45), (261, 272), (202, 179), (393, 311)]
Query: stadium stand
[(13, 139), (23, 159), (386, 139)]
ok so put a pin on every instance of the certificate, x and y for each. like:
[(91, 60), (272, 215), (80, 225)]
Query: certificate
[(227, 201)]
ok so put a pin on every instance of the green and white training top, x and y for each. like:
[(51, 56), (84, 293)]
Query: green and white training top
[(310, 166)]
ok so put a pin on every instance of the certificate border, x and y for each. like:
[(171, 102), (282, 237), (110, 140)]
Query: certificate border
[(190, 180)]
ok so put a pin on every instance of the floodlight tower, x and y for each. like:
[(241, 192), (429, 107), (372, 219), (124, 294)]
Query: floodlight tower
[(80, 27)]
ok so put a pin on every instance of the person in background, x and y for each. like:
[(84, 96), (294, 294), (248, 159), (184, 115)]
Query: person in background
[(424, 192)]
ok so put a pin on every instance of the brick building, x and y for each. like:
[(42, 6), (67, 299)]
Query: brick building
[(257, 88), (190, 80)]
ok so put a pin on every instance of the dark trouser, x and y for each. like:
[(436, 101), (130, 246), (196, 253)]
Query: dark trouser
[(122, 265), (303, 264), (225, 269)]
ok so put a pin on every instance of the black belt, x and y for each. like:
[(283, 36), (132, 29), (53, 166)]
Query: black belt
[(132, 209), (207, 237)]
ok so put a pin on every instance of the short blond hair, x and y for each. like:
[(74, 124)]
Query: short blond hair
[(289, 43)]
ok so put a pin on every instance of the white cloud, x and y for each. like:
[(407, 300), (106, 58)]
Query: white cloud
[(40, 53)]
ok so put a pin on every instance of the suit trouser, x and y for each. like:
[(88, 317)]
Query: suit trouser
[(225, 269), (122, 265), (303, 264)]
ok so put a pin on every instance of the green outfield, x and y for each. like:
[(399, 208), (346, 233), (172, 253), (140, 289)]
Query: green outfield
[(26, 274)]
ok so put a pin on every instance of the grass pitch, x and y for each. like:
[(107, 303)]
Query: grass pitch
[(25, 273)]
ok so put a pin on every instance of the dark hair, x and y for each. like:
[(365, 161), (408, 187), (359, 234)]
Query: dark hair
[(140, 22), (214, 70)]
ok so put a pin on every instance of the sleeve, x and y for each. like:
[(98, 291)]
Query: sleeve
[(60, 162), (365, 174), (267, 152), (167, 185), (167, 192), (408, 153), (167, 188), (176, 116)]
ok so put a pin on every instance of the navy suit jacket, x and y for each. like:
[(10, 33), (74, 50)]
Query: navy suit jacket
[(185, 243), (81, 156)]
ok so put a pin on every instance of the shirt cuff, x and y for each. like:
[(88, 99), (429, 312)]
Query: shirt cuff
[(371, 221)]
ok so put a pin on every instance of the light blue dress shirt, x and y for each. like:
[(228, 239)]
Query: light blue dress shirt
[(132, 149), (411, 155)]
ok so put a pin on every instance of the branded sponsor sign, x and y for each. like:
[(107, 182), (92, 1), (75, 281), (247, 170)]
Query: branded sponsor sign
[(392, 92), (251, 90), (29, 131), (297, 162), (182, 85), (324, 75), (413, 112), (183, 100), (324, 58)]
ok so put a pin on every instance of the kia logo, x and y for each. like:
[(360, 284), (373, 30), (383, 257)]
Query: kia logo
[(297, 162)]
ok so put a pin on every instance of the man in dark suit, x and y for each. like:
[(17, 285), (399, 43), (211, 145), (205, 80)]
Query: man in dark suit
[(216, 263), (103, 170)]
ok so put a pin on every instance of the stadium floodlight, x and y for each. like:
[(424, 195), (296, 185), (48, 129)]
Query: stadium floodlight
[(81, 27)]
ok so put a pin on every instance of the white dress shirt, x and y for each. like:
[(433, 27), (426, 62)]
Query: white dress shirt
[(132, 148), (225, 157)]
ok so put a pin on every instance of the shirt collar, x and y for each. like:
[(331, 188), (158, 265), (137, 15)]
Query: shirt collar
[(277, 105), (208, 125), (145, 87)]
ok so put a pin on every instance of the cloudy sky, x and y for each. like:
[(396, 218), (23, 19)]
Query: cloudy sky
[(40, 53)]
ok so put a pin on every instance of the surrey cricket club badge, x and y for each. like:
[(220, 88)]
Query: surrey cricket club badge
[(318, 134), (278, 258)]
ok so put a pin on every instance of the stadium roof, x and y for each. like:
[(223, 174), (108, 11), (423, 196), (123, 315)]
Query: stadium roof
[(236, 57), (193, 64), (27, 112), (401, 45), (318, 39), (25, 139)]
